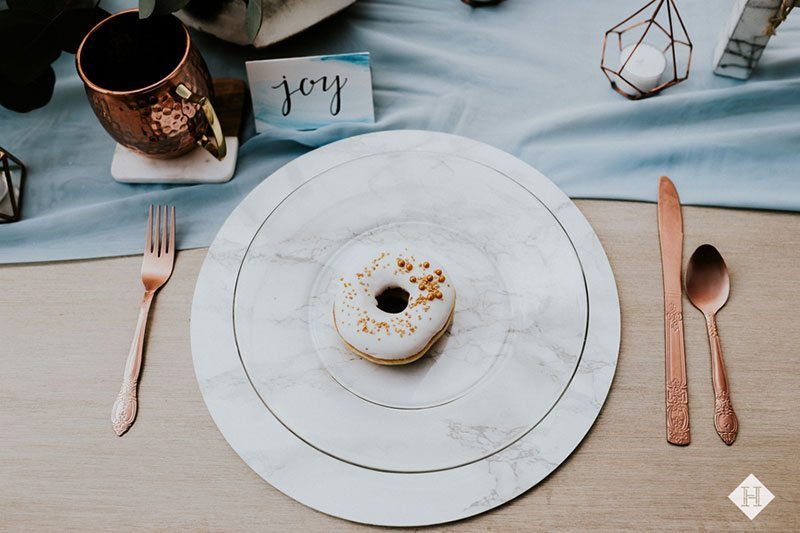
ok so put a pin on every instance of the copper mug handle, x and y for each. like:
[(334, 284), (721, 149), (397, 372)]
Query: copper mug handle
[(215, 146)]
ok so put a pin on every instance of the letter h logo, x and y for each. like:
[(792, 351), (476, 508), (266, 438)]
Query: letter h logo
[(751, 496)]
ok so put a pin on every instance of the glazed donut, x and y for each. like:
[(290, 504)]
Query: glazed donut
[(392, 308)]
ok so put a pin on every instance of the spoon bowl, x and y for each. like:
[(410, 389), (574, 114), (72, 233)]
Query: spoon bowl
[(707, 282)]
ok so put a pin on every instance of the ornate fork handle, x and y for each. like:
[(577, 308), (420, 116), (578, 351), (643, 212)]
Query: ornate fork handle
[(725, 421), (124, 411)]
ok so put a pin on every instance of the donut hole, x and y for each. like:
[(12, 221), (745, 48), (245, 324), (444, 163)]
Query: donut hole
[(392, 300)]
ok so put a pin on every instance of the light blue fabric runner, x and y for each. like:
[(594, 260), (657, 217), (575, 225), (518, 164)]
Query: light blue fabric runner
[(523, 76)]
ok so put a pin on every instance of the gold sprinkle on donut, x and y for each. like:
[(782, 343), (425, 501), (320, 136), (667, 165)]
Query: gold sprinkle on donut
[(409, 267), (426, 264), (438, 271), (441, 279), (439, 294), (431, 296), (422, 286), (401, 263), (429, 277), (412, 279)]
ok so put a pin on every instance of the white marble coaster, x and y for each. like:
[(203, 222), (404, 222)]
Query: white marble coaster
[(198, 166)]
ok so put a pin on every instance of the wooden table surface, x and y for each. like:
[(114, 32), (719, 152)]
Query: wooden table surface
[(66, 328)]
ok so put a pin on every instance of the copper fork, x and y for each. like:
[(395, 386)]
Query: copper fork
[(159, 256)]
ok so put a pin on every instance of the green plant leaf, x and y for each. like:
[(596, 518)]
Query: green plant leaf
[(28, 48), (19, 23), (32, 34), (253, 19), (71, 26), (29, 96), (146, 8), (45, 8), (160, 7), (49, 8)]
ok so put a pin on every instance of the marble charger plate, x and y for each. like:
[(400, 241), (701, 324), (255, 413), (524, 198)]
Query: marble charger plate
[(495, 406)]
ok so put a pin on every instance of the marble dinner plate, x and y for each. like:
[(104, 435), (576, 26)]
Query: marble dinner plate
[(496, 405)]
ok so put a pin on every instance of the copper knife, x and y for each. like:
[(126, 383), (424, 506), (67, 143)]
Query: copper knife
[(670, 232)]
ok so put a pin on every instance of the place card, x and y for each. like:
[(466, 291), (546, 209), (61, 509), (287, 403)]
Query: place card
[(306, 93)]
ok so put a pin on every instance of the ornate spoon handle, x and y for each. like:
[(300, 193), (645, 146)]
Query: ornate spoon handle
[(124, 411), (725, 421)]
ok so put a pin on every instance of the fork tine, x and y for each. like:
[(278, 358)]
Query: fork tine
[(148, 248), (157, 234), (172, 231), (162, 248)]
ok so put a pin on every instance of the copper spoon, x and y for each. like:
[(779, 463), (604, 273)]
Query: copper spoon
[(708, 286)]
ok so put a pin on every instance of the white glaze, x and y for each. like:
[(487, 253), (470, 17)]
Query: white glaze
[(343, 489), (392, 336)]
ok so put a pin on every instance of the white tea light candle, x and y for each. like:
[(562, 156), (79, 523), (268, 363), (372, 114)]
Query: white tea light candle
[(645, 66)]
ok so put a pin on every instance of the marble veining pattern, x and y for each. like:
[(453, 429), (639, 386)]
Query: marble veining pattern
[(518, 266), (498, 470)]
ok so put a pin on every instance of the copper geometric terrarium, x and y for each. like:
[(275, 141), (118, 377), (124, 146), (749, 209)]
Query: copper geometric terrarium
[(12, 175), (643, 57)]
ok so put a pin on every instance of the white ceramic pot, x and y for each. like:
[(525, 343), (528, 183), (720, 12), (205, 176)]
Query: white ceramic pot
[(281, 18)]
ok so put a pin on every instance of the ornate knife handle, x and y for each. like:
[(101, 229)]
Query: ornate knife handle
[(725, 421), (677, 390), (678, 413), (124, 411)]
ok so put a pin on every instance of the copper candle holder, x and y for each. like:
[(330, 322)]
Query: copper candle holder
[(663, 30), (11, 170)]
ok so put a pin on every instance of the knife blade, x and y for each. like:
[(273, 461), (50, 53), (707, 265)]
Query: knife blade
[(670, 232)]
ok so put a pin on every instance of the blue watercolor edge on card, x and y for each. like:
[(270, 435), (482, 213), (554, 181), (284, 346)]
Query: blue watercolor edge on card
[(360, 59), (356, 59)]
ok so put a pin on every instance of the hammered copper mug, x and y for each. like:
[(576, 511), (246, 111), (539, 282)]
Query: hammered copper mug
[(149, 86)]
